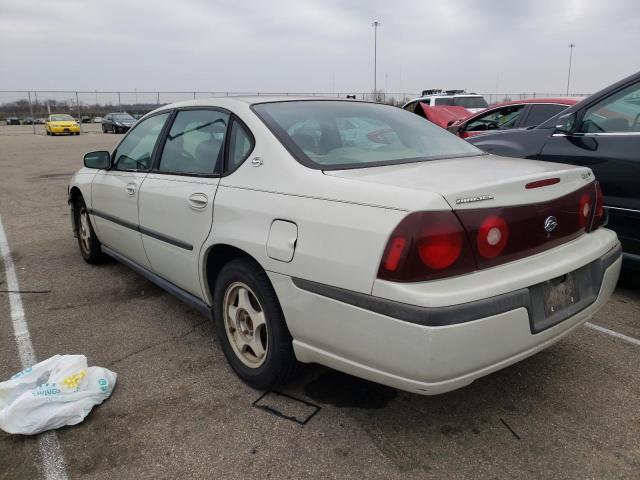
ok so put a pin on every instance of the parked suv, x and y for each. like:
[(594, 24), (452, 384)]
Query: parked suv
[(601, 132)]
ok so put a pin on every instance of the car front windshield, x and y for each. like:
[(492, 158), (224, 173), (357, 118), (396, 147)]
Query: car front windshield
[(339, 134), (62, 118), (123, 117)]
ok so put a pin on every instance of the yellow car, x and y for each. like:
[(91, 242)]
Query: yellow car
[(61, 123)]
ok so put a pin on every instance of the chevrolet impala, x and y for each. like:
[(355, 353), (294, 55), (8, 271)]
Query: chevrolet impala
[(350, 234)]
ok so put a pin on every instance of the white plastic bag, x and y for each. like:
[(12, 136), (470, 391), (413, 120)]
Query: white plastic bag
[(56, 392)]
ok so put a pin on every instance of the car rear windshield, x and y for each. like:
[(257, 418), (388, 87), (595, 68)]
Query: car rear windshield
[(332, 135), (466, 102), (62, 118)]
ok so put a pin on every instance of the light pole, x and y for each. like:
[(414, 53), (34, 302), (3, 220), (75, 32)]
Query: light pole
[(571, 45), (375, 26)]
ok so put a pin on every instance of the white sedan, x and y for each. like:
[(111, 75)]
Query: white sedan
[(349, 234)]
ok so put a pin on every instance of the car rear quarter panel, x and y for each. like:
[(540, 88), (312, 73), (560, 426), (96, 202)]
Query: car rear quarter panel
[(338, 243)]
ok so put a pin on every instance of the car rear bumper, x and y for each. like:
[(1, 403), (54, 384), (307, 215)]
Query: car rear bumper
[(417, 355)]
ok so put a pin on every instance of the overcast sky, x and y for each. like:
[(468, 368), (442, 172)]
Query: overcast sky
[(302, 45)]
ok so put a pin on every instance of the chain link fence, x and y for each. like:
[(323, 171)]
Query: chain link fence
[(88, 106)]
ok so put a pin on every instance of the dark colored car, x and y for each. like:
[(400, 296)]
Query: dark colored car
[(601, 132), (509, 115), (117, 122), (13, 121), (27, 121), (85, 119)]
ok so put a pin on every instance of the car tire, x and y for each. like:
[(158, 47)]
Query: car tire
[(90, 247), (250, 325), (48, 132), (104, 130)]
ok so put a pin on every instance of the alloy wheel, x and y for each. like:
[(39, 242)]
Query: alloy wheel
[(245, 324), (85, 231)]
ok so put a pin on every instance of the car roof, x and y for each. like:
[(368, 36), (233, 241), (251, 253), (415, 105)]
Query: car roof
[(238, 101), (250, 100)]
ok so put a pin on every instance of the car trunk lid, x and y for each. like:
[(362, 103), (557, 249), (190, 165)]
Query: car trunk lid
[(477, 181)]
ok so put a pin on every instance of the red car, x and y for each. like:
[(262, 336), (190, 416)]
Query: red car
[(441, 115), (508, 115)]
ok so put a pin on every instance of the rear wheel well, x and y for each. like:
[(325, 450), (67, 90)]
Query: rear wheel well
[(217, 257)]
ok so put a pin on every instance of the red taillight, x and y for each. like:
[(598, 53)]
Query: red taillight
[(441, 246), (492, 237), (426, 246), (584, 210), (431, 245), (598, 212), (396, 246)]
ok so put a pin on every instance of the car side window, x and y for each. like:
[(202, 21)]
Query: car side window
[(134, 152), (619, 112), (541, 112), (195, 142), (240, 145), (502, 118)]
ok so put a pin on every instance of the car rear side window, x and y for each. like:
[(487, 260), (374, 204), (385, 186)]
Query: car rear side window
[(329, 134), (195, 142), (134, 152), (541, 112), (240, 145)]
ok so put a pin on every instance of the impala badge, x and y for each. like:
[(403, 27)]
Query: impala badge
[(550, 224), (474, 199)]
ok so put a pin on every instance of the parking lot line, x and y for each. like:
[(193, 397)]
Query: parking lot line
[(621, 336), (50, 451)]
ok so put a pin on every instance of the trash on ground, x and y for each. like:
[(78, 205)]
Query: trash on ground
[(56, 392)]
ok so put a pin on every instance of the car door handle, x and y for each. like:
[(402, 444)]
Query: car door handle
[(130, 188), (198, 201)]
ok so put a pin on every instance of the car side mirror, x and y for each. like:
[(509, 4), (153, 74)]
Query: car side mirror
[(100, 160), (566, 123)]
